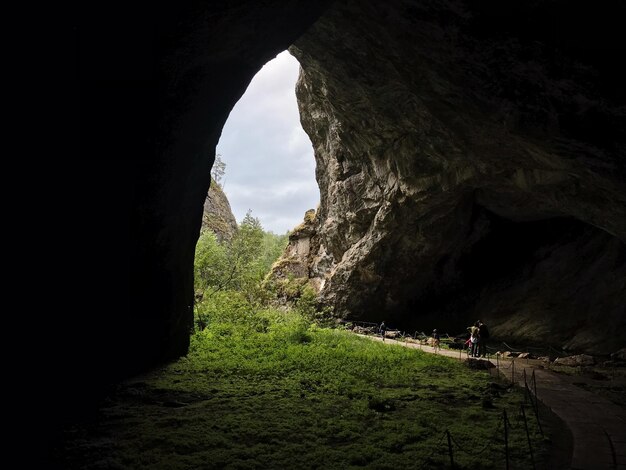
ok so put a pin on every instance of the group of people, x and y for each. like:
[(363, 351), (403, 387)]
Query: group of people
[(477, 342)]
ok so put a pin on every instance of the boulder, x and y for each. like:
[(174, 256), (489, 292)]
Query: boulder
[(578, 360)]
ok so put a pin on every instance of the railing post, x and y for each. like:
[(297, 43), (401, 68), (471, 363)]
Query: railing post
[(506, 439), (513, 371), (530, 447), (536, 408), (450, 449), (526, 397)]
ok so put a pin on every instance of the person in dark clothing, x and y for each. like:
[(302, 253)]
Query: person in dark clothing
[(483, 337), (382, 329)]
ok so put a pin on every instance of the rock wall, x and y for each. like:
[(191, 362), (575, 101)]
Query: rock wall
[(217, 215), (152, 87), (454, 135)]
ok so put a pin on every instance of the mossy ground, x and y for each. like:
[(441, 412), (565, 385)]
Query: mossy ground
[(274, 391)]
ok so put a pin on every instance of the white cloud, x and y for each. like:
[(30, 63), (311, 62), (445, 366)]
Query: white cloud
[(270, 166)]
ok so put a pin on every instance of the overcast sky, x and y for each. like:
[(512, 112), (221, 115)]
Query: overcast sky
[(269, 158)]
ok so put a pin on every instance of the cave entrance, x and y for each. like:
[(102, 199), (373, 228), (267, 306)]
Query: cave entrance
[(270, 168), (263, 184)]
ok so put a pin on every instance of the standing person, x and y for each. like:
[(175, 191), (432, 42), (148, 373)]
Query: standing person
[(474, 338), (382, 329), (436, 340), (483, 333)]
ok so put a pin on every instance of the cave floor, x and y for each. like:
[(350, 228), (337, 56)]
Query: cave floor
[(597, 424), (323, 399)]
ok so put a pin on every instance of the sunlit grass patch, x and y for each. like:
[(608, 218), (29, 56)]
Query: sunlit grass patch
[(275, 391)]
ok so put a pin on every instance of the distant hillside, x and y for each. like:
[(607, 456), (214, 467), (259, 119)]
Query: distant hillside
[(217, 215)]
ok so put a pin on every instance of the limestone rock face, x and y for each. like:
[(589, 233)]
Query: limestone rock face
[(217, 215), (291, 272), (470, 166), (301, 258)]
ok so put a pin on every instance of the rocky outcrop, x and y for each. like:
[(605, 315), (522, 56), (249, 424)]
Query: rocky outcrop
[(578, 360), (296, 258), (217, 215), (291, 272), (469, 167)]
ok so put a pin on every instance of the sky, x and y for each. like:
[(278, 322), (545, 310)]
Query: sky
[(270, 167)]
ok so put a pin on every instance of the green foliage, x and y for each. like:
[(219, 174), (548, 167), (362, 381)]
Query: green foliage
[(308, 306), (307, 303), (225, 307), (272, 248), (244, 253), (262, 388), (239, 264), (286, 288), (211, 261)]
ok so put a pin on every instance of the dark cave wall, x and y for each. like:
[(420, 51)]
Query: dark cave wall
[(206, 60), (155, 85), (557, 282), (568, 292), (421, 113)]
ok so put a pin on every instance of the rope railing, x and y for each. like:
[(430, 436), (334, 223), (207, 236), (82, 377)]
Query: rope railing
[(484, 448), (427, 459), (451, 342), (503, 429), (446, 338)]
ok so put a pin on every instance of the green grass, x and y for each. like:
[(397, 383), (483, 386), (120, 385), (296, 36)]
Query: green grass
[(270, 390)]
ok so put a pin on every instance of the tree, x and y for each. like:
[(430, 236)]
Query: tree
[(238, 264), (210, 263), (234, 264), (273, 247), (218, 170), (245, 250)]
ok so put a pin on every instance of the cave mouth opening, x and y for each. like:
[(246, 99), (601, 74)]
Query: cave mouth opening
[(554, 281), (269, 162)]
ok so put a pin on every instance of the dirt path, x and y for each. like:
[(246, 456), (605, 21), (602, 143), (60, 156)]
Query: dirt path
[(597, 425)]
